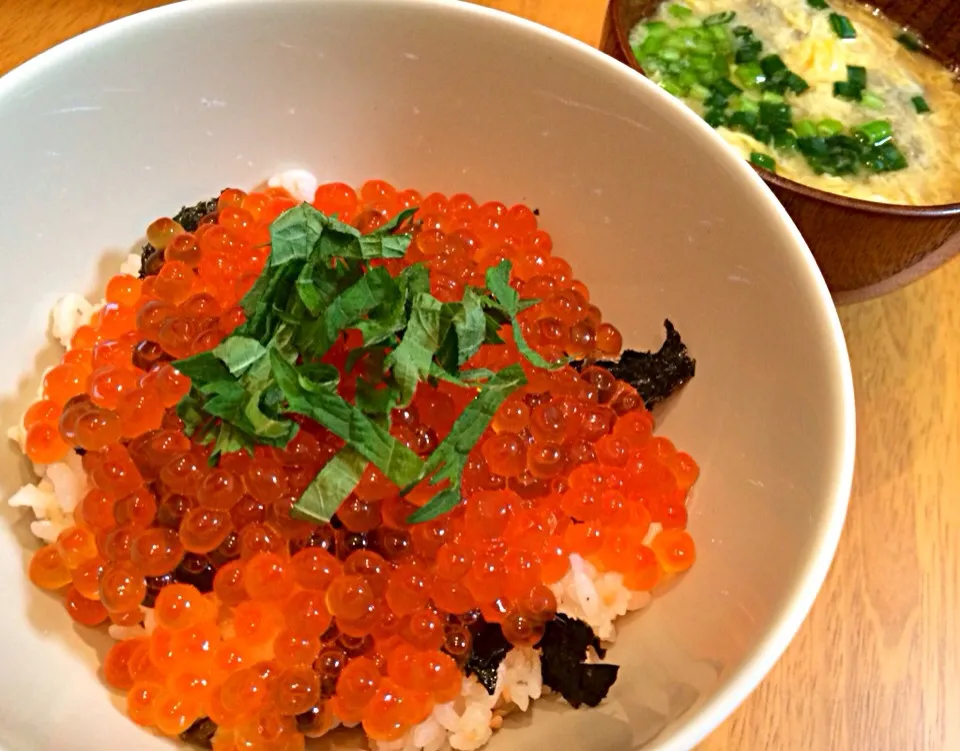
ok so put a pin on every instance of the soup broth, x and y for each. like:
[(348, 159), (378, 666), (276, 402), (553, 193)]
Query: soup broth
[(837, 97)]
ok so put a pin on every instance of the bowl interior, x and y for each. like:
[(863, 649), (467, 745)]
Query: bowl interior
[(103, 134)]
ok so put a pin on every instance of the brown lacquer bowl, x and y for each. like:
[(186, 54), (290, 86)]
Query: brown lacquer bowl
[(863, 248)]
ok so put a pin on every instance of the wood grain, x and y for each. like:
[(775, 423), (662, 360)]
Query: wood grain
[(876, 667)]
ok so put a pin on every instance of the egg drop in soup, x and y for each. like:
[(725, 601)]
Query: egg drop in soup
[(828, 93)]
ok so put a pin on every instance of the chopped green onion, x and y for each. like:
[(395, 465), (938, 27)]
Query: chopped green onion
[(763, 134), (805, 128), (649, 46), (699, 92), (876, 133), (885, 158), (672, 87), (657, 28), (718, 34), (748, 105), (777, 117), (910, 41), (726, 87), (709, 77), (834, 155), (872, 101), (813, 146), (750, 75), (920, 105), (772, 64), (702, 63), (687, 79), (670, 54), (715, 100), (741, 120), (817, 4), (785, 141), (714, 117), (763, 160), (829, 127), (796, 84), (680, 12), (846, 90), (857, 76), (842, 27), (704, 46), (680, 39), (844, 155), (771, 97), (718, 19), (748, 46)]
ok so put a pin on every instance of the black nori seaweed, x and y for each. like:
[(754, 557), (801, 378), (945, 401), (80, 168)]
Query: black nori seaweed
[(151, 261), (655, 375), (563, 650), (487, 651), (200, 733), (189, 218)]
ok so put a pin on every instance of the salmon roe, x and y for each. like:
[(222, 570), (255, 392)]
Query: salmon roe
[(272, 626)]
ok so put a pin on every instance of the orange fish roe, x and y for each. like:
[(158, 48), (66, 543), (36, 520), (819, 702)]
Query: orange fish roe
[(271, 625)]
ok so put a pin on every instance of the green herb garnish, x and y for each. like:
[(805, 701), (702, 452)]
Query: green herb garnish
[(818, 4), (853, 87), (872, 101), (748, 47), (910, 41), (320, 281), (875, 133), (805, 128), (447, 462), (763, 160), (847, 90), (842, 27), (857, 76), (920, 105), (718, 19), (698, 63), (869, 146), (829, 127)]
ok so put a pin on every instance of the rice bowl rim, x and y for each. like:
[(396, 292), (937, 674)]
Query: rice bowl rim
[(690, 729)]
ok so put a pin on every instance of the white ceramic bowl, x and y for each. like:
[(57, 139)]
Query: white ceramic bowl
[(104, 133)]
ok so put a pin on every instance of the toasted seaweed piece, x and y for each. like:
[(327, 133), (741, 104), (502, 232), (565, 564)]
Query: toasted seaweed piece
[(487, 652), (563, 649), (655, 375), (200, 733), (151, 261), (189, 217)]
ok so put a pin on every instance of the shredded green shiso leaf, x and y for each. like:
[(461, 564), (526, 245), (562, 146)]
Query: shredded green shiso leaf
[(321, 280)]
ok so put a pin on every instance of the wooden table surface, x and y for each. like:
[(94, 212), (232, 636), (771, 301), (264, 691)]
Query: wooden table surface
[(877, 664)]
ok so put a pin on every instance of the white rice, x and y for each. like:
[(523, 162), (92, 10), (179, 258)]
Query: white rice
[(467, 723)]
